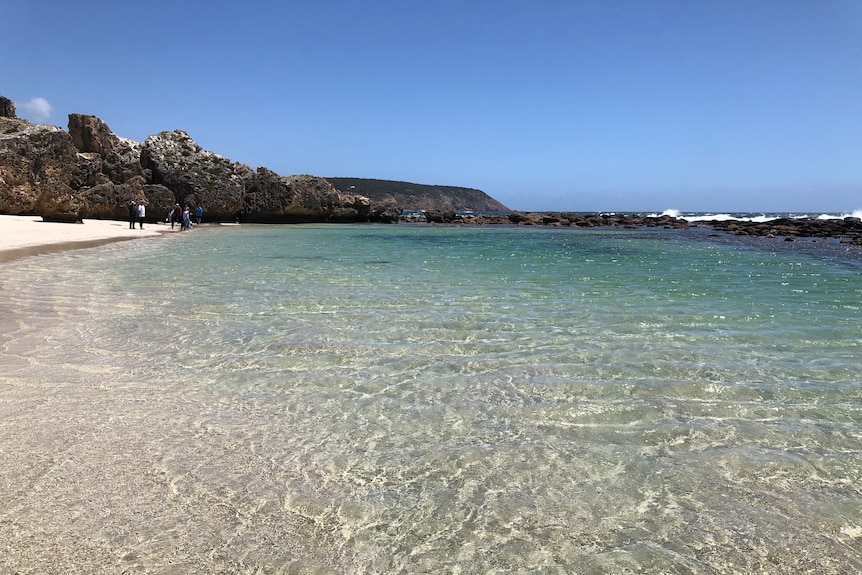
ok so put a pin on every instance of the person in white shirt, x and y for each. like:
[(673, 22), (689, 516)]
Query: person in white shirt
[(142, 212)]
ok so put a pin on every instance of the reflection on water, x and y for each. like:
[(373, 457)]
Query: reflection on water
[(364, 399)]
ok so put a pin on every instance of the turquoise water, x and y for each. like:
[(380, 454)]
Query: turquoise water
[(409, 399)]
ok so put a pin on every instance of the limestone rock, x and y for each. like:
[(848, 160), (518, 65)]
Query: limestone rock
[(195, 176), (385, 215), (90, 172), (121, 157), (440, 216), (271, 198), (36, 168), (7, 108)]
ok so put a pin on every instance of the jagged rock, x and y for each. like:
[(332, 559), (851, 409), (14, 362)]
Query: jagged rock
[(385, 215), (7, 108), (121, 157), (57, 202), (525, 218), (91, 172), (225, 189), (195, 176), (159, 200), (271, 198), (440, 216), (36, 168), (792, 227)]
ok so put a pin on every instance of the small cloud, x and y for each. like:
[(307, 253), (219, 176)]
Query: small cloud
[(37, 108)]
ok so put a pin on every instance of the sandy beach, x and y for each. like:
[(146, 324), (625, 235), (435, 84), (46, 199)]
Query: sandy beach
[(29, 235)]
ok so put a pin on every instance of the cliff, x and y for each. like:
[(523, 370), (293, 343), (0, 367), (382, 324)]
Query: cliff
[(419, 197), (90, 172)]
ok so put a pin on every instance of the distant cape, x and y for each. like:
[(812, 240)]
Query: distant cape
[(410, 196)]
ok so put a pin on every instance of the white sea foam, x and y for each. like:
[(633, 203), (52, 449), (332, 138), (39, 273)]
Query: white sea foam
[(853, 214), (755, 217)]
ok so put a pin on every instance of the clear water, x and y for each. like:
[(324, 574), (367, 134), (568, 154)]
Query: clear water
[(408, 399)]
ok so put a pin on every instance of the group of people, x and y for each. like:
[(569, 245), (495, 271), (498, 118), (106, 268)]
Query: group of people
[(176, 215), (183, 216)]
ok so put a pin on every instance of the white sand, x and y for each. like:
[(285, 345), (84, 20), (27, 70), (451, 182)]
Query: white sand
[(28, 235)]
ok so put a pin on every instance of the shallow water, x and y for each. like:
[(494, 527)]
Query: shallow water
[(403, 399)]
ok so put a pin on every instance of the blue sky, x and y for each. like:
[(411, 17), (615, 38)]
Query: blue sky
[(617, 105)]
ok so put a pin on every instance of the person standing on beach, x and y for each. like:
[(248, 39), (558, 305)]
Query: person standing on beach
[(133, 214), (199, 212), (142, 212), (187, 222), (176, 215)]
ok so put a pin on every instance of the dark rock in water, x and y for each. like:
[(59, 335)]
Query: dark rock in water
[(523, 218), (384, 215), (847, 229), (789, 228), (439, 216)]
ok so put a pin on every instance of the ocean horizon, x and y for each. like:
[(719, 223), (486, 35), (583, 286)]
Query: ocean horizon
[(373, 399)]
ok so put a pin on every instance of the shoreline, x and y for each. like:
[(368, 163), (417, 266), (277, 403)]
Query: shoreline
[(22, 236)]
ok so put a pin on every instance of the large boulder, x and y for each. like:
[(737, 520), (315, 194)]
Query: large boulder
[(228, 190), (36, 169), (121, 157), (439, 216), (7, 108), (270, 198), (195, 176), (67, 176)]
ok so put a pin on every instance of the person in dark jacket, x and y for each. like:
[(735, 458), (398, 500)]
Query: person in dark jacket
[(133, 215)]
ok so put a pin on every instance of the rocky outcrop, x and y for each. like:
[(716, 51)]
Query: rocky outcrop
[(90, 172), (120, 157), (440, 216), (38, 164), (847, 229), (385, 215), (7, 108), (270, 198), (570, 219), (194, 175)]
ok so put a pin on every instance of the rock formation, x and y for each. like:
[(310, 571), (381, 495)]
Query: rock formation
[(270, 198), (38, 164), (7, 108), (846, 230), (90, 172)]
